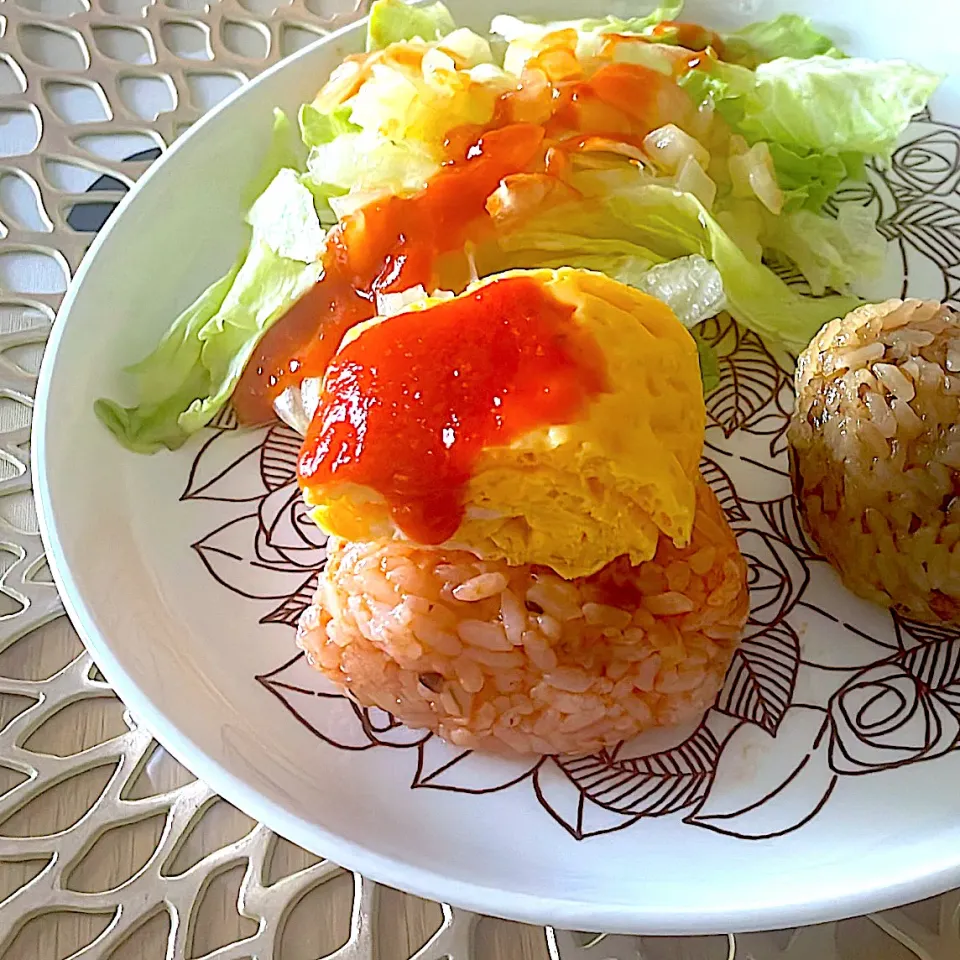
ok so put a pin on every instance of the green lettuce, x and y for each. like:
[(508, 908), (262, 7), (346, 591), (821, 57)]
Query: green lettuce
[(659, 224), (831, 253), (285, 219), (513, 28), (808, 178), (677, 224), (822, 104), (541, 246), (191, 375), (709, 363), (193, 371), (317, 127), (691, 286), (788, 35), (822, 116), (392, 21), (284, 150)]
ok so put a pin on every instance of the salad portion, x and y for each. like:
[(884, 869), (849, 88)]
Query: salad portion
[(667, 156), (473, 285)]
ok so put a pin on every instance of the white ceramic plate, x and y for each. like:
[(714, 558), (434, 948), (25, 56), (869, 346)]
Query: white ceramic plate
[(801, 798)]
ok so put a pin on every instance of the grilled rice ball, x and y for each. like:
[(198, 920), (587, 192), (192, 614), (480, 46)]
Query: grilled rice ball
[(875, 453)]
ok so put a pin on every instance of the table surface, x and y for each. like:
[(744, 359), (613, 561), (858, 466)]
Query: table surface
[(117, 851)]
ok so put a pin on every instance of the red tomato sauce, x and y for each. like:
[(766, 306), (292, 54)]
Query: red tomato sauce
[(396, 243), (693, 36), (409, 405), (389, 245)]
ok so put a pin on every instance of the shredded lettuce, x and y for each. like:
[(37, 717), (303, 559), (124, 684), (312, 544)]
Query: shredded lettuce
[(513, 28), (317, 127), (822, 103), (284, 150), (788, 35), (393, 20), (193, 371), (676, 224), (184, 383), (831, 253), (285, 219), (691, 286), (808, 178), (709, 363), (658, 224), (782, 83), (368, 164), (821, 116), (523, 37), (538, 244)]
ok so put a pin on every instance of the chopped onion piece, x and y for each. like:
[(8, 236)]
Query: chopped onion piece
[(690, 286), (701, 123), (752, 174), (522, 194), (469, 47), (296, 406), (310, 395), (389, 304), (669, 147), (351, 202), (693, 179), (436, 61), (601, 144), (289, 408)]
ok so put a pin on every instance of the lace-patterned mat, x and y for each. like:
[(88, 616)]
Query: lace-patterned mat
[(117, 851)]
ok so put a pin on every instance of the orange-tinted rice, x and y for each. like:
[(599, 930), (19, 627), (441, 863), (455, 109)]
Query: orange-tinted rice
[(497, 657)]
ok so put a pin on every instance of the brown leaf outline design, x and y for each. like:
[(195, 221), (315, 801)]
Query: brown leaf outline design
[(724, 490), (291, 608), (783, 516), (218, 471), (750, 378), (650, 786), (331, 715), (921, 633), (279, 455), (792, 784), (937, 668), (441, 766), (776, 575), (762, 676), (225, 419), (929, 226)]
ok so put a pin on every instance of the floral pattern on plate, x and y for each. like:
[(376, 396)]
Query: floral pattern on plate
[(823, 687)]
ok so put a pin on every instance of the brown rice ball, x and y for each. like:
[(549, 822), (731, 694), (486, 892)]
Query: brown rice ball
[(875, 453), (515, 658)]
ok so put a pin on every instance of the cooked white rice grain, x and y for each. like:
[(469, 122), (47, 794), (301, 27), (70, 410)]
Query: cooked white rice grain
[(516, 659)]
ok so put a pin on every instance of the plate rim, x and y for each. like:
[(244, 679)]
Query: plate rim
[(573, 913)]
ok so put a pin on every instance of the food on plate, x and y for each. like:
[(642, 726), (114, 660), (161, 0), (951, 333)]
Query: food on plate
[(658, 152), (525, 555), (875, 451), (503, 657), (587, 451), (473, 283)]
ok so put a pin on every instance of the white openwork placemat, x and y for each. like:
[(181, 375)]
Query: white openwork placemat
[(108, 848)]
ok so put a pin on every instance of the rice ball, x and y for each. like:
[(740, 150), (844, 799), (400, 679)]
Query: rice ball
[(515, 658), (875, 453)]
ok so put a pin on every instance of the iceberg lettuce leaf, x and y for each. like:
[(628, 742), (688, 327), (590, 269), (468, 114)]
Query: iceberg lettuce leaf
[(788, 35), (392, 21)]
